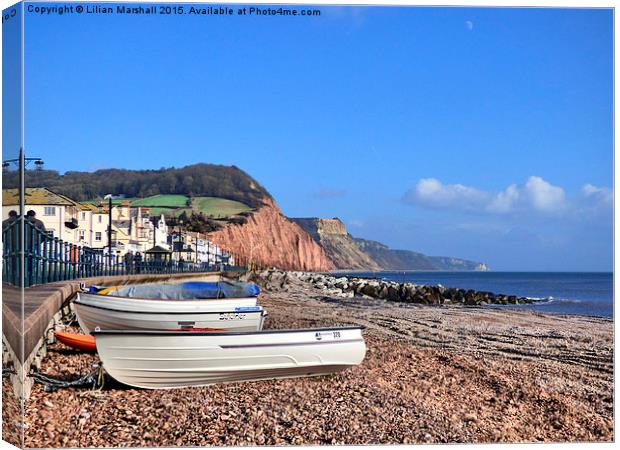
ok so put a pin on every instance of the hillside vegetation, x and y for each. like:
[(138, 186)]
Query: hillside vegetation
[(198, 180), (175, 205)]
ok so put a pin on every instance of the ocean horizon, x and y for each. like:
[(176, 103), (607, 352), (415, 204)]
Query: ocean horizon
[(581, 293)]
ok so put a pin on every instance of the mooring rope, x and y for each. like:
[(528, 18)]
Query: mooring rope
[(95, 379), (62, 324)]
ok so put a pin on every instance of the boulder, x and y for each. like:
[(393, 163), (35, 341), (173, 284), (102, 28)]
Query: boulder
[(371, 290), (393, 294)]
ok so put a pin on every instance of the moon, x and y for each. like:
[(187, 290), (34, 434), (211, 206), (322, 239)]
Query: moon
[(469, 25)]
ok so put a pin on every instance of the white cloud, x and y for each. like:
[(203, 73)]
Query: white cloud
[(356, 223), (505, 201), (432, 192), (543, 196), (598, 194), (328, 193), (536, 195)]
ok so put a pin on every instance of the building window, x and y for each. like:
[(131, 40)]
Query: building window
[(49, 211), (82, 235), (100, 218), (98, 236), (83, 216)]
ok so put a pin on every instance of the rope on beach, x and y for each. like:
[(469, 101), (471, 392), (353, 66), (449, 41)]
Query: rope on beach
[(64, 323), (69, 320), (93, 380)]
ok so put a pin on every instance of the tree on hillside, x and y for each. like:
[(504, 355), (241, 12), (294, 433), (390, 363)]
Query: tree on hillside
[(209, 180)]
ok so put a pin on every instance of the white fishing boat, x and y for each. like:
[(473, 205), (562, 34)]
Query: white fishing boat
[(170, 307), (164, 360)]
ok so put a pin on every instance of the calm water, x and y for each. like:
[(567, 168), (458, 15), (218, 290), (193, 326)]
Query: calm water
[(568, 293)]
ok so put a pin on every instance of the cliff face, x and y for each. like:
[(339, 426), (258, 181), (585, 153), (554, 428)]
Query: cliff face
[(271, 239), (350, 253), (448, 263), (339, 245), (389, 259)]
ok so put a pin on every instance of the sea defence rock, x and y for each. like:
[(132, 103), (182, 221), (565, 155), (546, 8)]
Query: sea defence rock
[(385, 290)]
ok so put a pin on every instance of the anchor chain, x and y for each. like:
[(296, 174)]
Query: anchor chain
[(94, 380)]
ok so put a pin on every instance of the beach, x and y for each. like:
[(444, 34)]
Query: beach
[(432, 374)]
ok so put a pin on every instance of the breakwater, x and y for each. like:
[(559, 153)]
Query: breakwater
[(348, 286)]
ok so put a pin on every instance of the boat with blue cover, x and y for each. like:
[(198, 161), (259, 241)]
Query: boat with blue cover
[(222, 306)]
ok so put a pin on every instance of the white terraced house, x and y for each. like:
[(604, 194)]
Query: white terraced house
[(59, 214), (202, 250), (93, 225), (135, 229)]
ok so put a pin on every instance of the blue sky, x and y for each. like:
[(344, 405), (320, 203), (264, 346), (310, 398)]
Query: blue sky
[(11, 82), (478, 133)]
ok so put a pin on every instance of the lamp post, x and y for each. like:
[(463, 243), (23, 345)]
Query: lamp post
[(180, 238), (109, 199), (22, 161), (155, 222)]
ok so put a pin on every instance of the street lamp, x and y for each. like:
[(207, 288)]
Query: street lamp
[(22, 162), (180, 238), (37, 161), (109, 199)]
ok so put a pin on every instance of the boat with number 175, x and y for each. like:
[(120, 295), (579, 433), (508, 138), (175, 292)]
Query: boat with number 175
[(165, 360)]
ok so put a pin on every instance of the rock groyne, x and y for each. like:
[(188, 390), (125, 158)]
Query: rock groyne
[(388, 290)]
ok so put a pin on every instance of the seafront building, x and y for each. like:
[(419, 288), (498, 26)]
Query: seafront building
[(195, 247), (134, 229), (92, 226), (59, 214)]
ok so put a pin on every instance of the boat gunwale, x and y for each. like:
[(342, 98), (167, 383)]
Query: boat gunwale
[(168, 299), (164, 284), (260, 311), (226, 333)]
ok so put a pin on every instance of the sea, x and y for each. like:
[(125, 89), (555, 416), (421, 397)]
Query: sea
[(583, 293)]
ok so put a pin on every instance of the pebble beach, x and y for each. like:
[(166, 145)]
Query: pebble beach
[(432, 374)]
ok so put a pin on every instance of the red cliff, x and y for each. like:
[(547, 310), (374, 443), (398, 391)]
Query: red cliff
[(270, 239)]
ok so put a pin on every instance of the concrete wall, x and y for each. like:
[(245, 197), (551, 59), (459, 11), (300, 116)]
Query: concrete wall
[(43, 306)]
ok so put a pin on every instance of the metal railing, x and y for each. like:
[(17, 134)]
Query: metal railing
[(48, 258)]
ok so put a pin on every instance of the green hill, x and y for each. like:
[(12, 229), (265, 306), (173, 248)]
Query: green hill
[(168, 185), (218, 207), (173, 205), (167, 201)]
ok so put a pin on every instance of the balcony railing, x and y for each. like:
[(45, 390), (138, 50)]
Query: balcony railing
[(48, 259)]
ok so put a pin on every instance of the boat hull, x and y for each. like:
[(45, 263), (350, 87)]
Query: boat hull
[(156, 360), (120, 313)]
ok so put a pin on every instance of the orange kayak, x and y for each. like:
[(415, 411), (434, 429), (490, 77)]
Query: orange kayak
[(83, 342), (86, 342)]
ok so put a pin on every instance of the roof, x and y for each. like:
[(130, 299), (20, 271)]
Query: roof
[(88, 206), (158, 249), (37, 196)]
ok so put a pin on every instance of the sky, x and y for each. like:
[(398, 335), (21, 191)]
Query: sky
[(484, 134), (11, 82)]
